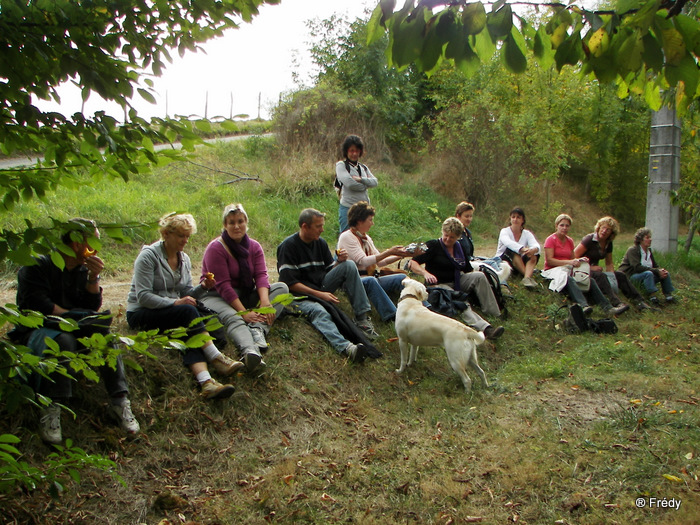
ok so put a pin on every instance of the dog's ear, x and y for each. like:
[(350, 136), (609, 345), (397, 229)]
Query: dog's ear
[(405, 281)]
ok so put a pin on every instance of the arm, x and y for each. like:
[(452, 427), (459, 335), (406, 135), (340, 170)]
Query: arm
[(301, 289), (216, 260), (418, 269), (505, 238), (609, 267), (352, 245), (147, 296)]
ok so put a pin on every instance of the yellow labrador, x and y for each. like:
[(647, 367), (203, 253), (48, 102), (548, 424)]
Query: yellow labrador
[(417, 326)]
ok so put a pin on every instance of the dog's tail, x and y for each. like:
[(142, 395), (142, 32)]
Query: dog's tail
[(478, 337)]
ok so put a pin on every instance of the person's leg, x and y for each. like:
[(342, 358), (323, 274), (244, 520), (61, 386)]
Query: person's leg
[(345, 274), (530, 265), (477, 282), (597, 296), (322, 321), (237, 329), (470, 318), (60, 387), (574, 292), (627, 288), (604, 284), (518, 264), (342, 218), (647, 280), (378, 297), (276, 289), (667, 285)]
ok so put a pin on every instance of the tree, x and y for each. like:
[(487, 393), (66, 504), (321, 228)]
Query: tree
[(647, 47), (107, 48)]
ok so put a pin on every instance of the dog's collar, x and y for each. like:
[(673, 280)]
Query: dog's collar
[(408, 296)]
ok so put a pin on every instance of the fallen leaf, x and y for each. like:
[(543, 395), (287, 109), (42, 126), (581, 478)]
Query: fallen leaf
[(326, 497), (635, 401), (672, 411), (689, 455), (673, 478), (574, 387), (392, 339), (288, 479)]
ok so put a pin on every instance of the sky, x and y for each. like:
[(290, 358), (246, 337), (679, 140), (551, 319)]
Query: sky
[(255, 60)]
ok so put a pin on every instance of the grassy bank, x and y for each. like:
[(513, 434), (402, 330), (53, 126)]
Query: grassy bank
[(573, 429)]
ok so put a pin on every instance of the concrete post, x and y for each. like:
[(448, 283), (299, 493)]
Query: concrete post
[(664, 177)]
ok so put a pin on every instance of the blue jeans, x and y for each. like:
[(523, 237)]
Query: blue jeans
[(345, 275), (322, 321), (378, 288), (342, 218), (649, 280)]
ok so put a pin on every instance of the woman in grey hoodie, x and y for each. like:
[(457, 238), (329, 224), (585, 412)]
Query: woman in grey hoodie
[(162, 297)]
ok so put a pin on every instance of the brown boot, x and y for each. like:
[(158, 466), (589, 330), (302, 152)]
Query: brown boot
[(226, 366), (212, 389)]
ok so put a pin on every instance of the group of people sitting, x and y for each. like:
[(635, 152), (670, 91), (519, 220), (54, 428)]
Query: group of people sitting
[(235, 286)]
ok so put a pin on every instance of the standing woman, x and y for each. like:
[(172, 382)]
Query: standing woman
[(240, 271), (162, 297), (519, 247), (598, 246), (352, 179), (640, 266)]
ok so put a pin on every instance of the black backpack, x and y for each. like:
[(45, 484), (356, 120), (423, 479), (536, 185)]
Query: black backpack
[(495, 284), (577, 322)]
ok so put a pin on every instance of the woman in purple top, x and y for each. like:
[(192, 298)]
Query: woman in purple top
[(238, 265)]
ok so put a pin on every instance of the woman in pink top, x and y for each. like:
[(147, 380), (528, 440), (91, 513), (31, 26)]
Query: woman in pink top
[(240, 272), (559, 251)]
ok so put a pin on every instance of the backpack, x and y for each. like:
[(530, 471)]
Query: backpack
[(495, 284), (577, 322)]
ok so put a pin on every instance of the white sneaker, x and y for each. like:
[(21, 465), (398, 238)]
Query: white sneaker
[(50, 424), (126, 417), (259, 338)]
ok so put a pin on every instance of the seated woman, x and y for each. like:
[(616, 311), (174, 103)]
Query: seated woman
[(599, 245), (447, 267), (240, 271), (519, 247), (640, 266), (361, 249), (162, 297), (559, 253), (465, 213)]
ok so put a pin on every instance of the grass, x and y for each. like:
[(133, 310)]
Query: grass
[(573, 429)]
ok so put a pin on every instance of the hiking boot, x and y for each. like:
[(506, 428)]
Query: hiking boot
[(654, 301), (212, 389), (226, 366), (259, 338), (367, 327), (670, 299), (587, 311), (253, 361), (493, 333), (50, 424), (617, 310), (642, 306), (356, 353), (529, 283), (125, 416)]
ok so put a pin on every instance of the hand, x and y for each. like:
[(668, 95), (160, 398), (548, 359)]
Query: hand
[(268, 318), (95, 265), (400, 251), (327, 296), (531, 252), (596, 268), (663, 273), (208, 281), (576, 263), (186, 300), (430, 278), (342, 255), (253, 317)]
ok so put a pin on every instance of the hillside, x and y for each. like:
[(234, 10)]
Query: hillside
[(573, 429)]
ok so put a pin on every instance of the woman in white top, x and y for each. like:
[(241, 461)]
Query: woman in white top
[(519, 247), (361, 249)]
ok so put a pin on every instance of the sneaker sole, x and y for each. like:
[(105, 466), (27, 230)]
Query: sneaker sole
[(252, 362), (224, 393)]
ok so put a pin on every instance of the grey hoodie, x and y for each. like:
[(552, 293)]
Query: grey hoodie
[(155, 285)]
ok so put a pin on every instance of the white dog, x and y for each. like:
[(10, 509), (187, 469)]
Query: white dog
[(417, 326)]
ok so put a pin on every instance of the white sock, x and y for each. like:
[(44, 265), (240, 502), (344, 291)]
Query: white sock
[(210, 352), (203, 377)]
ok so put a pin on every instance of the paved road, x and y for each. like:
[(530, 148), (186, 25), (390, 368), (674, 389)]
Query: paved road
[(18, 162)]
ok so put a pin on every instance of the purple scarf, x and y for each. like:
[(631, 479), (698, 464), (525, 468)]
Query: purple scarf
[(458, 261), (240, 253)]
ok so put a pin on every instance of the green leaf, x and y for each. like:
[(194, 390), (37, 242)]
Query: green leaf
[(500, 23), (474, 18), (569, 52), (408, 40), (652, 96), (542, 48), (58, 260), (690, 29), (513, 56), (9, 438), (203, 125), (146, 95), (653, 55), (483, 46), (197, 341)]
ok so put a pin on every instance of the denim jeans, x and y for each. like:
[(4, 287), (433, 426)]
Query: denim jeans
[(649, 280), (345, 275), (322, 321), (378, 288), (342, 218), (237, 330)]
